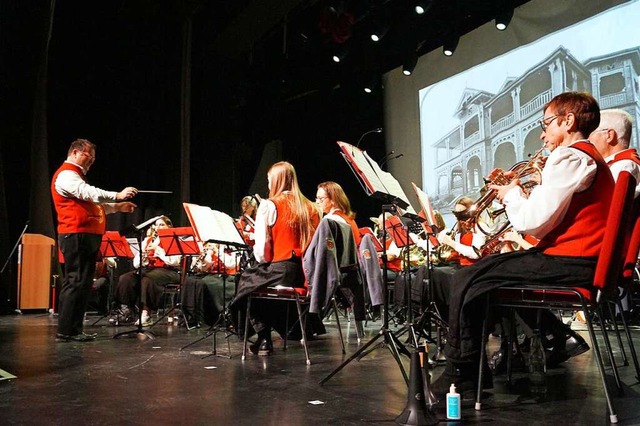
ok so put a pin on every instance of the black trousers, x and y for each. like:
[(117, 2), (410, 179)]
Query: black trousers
[(472, 283), (79, 251)]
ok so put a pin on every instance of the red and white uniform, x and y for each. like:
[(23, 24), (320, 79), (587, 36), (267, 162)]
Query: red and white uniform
[(626, 160), (567, 211), (275, 239), (80, 207)]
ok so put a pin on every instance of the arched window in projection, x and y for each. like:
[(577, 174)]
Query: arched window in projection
[(505, 156), (457, 181), (532, 143), (474, 175)]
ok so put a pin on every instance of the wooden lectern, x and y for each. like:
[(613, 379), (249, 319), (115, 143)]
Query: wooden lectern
[(34, 271)]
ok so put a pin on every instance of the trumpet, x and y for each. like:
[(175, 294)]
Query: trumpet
[(523, 171)]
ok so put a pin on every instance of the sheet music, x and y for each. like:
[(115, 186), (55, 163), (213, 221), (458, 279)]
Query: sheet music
[(135, 248), (209, 224), (425, 204), (376, 180)]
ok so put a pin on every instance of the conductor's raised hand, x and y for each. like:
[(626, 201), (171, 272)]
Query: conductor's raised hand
[(127, 193)]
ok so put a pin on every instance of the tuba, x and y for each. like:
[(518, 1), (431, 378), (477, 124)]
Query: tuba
[(495, 221)]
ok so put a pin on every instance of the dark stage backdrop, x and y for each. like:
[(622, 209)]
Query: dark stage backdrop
[(120, 78)]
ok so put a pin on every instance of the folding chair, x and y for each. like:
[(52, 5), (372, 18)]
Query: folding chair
[(600, 294), (297, 295)]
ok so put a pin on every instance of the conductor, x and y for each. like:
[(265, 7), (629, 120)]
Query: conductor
[(81, 210)]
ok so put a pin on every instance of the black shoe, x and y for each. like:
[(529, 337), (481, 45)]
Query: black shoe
[(266, 348), (82, 337), (576, 345)]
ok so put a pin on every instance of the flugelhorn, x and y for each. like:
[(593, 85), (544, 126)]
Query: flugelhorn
[(524, 171)]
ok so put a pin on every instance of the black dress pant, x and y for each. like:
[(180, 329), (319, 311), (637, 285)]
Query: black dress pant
[(79, 251)]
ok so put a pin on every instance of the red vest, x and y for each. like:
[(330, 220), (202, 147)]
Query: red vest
[(467, 240), (77, 216), (627, 154), (582, 229), (286, 237)]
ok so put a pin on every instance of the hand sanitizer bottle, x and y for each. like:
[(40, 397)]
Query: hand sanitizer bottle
[(453, 403)]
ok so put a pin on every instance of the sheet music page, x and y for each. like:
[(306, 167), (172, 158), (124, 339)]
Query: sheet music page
[(209, 224), (377, 179), (135, 248), (425, 204)]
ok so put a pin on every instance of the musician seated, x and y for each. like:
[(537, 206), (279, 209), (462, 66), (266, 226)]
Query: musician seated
[(247, 221), (335, 205), (459, 246), (158, 270), (285, 223), (210, 285)]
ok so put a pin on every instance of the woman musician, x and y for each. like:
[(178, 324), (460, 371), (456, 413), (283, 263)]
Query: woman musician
[(246, 223), (158, 270)]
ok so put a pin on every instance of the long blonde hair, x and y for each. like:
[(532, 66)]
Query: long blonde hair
[(282, 177)]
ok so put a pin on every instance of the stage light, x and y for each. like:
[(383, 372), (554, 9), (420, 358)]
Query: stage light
[(380, 29), (422, 6), (503, 18), (410, 64), (450, 45), (372, 84), (340, 53)]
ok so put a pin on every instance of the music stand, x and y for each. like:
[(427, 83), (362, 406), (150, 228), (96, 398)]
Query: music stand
[(430, 313), (381, 185), (219, 228), (174, 242), (113, 245), (138, 231)]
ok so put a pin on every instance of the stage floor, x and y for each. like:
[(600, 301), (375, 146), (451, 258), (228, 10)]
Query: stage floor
[(146, 382)]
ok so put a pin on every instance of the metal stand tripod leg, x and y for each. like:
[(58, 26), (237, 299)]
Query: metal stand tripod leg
[(221, 325), (389, 340)]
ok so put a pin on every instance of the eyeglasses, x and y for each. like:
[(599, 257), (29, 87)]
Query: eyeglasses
[(544, 123), (321, 199), (93, 157), (601, 130)]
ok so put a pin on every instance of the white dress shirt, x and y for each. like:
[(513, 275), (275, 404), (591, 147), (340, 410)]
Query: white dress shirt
[(69, 184), (567, 171)]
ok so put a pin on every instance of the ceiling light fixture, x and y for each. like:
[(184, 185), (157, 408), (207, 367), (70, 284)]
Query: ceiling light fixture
[(503, 18), (450, 45), (422, 6), (410, 64)]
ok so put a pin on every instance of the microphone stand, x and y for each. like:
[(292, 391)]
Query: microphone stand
[(378, 130), (26, 225)]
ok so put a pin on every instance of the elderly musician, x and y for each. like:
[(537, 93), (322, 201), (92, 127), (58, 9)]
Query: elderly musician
[(576, 189), (285, 223), (612, 138)]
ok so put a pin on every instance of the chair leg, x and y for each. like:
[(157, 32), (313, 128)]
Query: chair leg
[(246, 329), (303, 328), (613, 417), (483, 354), (335, 309), (612, 315), (607, 342), (632, 348)]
